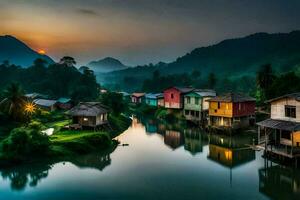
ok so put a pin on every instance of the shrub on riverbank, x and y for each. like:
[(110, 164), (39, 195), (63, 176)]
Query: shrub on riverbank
[(27, 143)]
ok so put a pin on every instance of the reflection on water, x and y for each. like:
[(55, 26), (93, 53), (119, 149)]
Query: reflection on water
[(162, 161), (279, 182), (230, 151), (25, 175)]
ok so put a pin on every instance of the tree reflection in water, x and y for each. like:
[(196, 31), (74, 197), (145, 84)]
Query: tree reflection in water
[(30, 175), (23, 176)]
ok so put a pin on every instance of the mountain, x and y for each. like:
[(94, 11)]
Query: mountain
[(18, 53), (107, 64), (228, 59)]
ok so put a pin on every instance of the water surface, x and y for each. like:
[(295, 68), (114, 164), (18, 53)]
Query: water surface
[(162, 161)]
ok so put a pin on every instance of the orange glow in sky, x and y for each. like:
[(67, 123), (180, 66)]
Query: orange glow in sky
[(41, 51)]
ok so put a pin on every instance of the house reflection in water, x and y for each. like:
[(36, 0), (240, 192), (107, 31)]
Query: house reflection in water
[(151, 127), (193, 141), (173, 139), (96, 161), (279, 182), (136, 123), (229, 151)]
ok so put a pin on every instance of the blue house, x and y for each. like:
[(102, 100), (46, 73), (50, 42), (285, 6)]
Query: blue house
[(154, 99)]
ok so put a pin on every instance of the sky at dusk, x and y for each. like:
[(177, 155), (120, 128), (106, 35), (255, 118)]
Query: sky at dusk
[(140, 31)]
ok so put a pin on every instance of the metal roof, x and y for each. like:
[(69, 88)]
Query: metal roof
[(280, 124), (136, 94), (154, 96), (64, 100), (204, 92), (44, 102), (232, 97), (293, 95)]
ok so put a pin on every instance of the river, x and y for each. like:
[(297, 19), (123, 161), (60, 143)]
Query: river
[(161, 161)]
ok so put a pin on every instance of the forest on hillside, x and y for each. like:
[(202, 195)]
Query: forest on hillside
[(55, 80)]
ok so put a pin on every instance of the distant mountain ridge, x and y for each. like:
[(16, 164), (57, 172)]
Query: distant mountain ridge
[(229, 58), (107, 64), (18, 53)]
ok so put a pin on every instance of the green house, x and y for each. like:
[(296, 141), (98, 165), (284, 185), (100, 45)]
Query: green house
[(195, 105), (154, 99)]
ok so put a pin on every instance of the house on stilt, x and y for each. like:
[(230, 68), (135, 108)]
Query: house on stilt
[(89, 115), (280, 135)]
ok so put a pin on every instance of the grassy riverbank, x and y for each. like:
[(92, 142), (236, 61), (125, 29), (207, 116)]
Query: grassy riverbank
[(26, 144)]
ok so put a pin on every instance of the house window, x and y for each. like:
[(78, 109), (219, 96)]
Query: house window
[(219, 105), (188, 99), (85, 119), (286, 135), (186, 112), (193, 113), (172, 96), (197, 101), (290, 111), (197, 114)]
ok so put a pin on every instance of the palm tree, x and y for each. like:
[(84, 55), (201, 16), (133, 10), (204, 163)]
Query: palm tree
[(14, 101), (68, 61)]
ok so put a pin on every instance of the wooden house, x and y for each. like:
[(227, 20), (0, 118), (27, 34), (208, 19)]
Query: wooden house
[(46, 104), (280, 134), (137, 98), (156, 100), (174, 97), (196, 105), (231, 110), (64, 103), (89, 114)]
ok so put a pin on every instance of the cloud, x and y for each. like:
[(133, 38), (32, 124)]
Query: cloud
[(86, 11)]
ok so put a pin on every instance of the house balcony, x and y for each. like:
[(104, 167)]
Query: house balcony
[(285, 141)]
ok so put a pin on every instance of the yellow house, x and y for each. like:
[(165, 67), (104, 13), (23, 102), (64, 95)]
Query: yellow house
[(231, 110)]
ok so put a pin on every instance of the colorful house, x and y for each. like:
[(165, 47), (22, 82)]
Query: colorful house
[(154, 99), (231, 110), (174, 97), (137, 98), (280, 134), (196, 105), (64, 103)]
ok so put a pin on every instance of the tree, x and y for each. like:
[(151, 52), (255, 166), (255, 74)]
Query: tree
[(68, 61), (14, 101), (212, 80), (265, 78), (114, 101)]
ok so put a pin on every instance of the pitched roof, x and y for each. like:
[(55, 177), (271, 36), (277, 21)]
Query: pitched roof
[(154, 96), (35, 95), (88, 109), (232, 97), (136, 94), (182, 89), (205, 92), (63, 100), (295, 96), (280, 124), (44, 102)]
